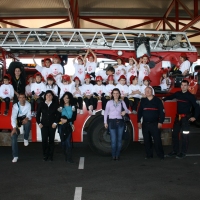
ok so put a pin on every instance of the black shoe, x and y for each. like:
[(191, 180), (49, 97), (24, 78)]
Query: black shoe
[(148, 157), (171, 154), (180, 156), (51, 159), (5, 113), (45, 158), (113, 158), (117, 158), (70, 161)]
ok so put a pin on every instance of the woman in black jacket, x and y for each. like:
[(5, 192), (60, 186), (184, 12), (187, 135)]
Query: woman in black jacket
[(68, 116), (47, 118)]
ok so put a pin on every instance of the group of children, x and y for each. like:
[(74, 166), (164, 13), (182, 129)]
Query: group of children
[(85, 85)]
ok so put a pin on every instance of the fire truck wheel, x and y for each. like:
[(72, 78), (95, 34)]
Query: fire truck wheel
[(99, 138)]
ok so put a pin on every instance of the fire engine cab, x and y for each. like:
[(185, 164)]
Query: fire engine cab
[(162, 47)]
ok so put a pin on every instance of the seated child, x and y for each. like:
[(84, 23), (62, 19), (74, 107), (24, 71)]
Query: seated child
[(98, 94), (146, 83), (28, 92), (6, 92), (134, 94)]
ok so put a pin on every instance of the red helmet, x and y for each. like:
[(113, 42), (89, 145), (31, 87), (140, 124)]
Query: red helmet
[(122, 77), (146, 78), (77, 78), (50, 77), (184, 55), (27, 79), (57, 56), (132, 78), (110, 78), (66, 77), (87, 76), (165, 71), (79, 57), (45, 59), (8, 77), (90, 55), (99, 78), (39, 74)]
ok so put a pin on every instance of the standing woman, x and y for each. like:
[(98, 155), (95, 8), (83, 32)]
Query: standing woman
[(47, 118), (68, 116), (115, 122), (19, 83)]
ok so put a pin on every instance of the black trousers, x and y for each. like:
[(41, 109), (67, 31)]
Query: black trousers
[(79, 102), (134, 104), (35, 103), (150, 130), (184, 125), (7, 102), (48, 135), (126, 101), (88, 102)]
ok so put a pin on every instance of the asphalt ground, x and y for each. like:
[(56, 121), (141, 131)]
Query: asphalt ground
[(131, 178)]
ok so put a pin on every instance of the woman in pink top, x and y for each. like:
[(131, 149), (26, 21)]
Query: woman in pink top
[(115, 122)]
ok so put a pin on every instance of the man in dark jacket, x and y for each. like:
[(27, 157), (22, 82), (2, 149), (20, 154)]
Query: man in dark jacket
[(185, 102), (152, 111)]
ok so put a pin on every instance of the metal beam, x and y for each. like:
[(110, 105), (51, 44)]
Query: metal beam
[(169, 24), (196, 11), (56, 23), (187, 10), (141, 24), (183, 24), (177, 15), (12, 24), (166, 14), (33, 17), (194, 21), (100, 23), (194, 35)]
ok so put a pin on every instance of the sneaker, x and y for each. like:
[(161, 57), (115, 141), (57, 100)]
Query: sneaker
[(15, 159), (78, 110), (129, 112), (91, 107), (134, 112), (81, 112), (26, 143), (5, 113), (102, 112), (180, 156), (171, 154), (93, 112)]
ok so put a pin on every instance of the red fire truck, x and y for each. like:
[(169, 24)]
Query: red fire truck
[(162, 47)]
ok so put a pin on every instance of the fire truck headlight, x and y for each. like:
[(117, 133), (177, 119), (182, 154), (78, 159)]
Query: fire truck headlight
[(119, 53)]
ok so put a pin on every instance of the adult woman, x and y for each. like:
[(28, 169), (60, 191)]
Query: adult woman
[(68, 116), (19, 83), (115, 122), (48, 122)]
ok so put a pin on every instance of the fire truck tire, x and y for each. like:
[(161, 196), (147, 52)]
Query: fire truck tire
[(99, 138)]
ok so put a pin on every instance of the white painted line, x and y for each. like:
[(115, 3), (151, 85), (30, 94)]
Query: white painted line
[(78, 193), (192, 154), (81, 163)]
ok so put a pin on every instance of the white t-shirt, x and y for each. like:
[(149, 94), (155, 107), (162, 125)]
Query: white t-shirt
[(66, 88), (123, 89), (133, 72), (87, 89), (133, 88), (44, 71), (53, 88), (91, 67), (142, 73), (28, 89), (99, 89), (55, 70), (118, 72), (79, 72), (38, 88), (109, 88), (77, 91), (6, 91), (185, 66), (143, 87)]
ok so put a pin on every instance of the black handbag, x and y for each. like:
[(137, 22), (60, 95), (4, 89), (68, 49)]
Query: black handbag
[(20, 119), (66, 130), (126, 117)]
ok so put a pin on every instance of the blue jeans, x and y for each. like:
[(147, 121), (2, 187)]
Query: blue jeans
[(27, 128), (116, 137)]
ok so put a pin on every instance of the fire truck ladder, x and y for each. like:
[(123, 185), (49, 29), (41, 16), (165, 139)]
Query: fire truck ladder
[(74, 39)]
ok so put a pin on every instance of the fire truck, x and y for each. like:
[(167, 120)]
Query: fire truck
[(163, 48)]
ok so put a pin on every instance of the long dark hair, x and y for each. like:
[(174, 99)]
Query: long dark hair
[(115, 89), (47, 92), (70, 96)]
